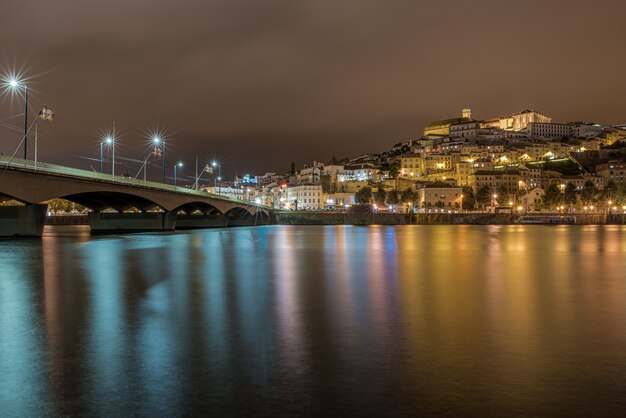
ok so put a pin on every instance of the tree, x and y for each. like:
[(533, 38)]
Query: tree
[(619, 195), (293, 169), (552, 195), (570, 194), (380, 195), (469, 199), (483, 196), (363, 195), (392, 197), (610, 191), (410, 196), (588, 194), (503, 195)]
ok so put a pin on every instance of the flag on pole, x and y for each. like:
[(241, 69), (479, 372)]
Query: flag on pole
[(46, 114), (157, 151), (208, 169)]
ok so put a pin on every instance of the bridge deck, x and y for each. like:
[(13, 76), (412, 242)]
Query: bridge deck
[(8, 163)]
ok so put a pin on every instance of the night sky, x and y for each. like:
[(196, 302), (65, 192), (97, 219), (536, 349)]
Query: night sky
[(262, 83)]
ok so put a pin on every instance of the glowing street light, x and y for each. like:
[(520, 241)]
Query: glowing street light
[(157, 140), (16, 84), (177, 165), (110, 141), (218, 179)]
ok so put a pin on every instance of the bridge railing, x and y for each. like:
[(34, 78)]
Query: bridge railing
[(20, 163)]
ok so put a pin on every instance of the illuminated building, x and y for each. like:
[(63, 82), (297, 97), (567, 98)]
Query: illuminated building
[(442, 127), (523, 118), (549, 130), (304, 197), (410, 164), (614, 170), (439, 195)]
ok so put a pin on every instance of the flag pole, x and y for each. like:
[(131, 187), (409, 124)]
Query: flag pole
[(36, 126), (114, 140), (25, 119)]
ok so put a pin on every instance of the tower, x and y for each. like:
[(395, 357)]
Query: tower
[(466, 113)]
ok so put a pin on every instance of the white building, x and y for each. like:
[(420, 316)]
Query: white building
[(586, 130), (466, 130), (549, 130), (232, 192), (332, 170), (532, 199), (310, 174), (304, 197), (363, 173)]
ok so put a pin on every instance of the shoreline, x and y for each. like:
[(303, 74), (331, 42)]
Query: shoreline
[(466, 218), (342, 218)]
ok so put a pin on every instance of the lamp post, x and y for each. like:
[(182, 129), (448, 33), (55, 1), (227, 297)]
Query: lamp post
[(157, 140), (110, 142), (177, 165), (101, 143), (218, 179), (17, 84)]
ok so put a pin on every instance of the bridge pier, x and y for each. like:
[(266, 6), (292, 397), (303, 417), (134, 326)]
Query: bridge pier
[(22, 221), (244, 221), (201, 221), (106, 223)]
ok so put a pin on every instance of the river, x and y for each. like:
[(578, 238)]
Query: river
[(316, 321)]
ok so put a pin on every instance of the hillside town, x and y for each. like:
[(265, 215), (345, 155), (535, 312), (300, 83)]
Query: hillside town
[(524, 162)]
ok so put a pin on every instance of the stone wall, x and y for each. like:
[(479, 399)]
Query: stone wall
[(340, 218)]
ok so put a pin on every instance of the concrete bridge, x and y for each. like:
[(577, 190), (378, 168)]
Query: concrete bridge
[(116, 204)]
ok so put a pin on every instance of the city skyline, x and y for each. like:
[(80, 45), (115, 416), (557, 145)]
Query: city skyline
[(261, 86)]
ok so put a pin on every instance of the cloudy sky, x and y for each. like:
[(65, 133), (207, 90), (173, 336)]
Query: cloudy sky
[(261, 83)]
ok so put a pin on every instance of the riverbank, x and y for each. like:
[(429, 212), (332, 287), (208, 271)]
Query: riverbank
[(342, 218)]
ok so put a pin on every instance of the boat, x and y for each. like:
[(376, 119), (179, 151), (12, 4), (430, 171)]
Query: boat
[(549, 220)]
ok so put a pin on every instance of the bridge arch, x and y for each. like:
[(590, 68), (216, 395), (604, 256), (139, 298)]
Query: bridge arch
[(100, 200), (247, 216), (198, 206), (239, 212), (6, 197)]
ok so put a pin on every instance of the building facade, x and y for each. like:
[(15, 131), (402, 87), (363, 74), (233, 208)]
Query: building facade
[(304, 197)]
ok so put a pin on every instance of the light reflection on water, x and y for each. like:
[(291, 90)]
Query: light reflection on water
[(314, 321)]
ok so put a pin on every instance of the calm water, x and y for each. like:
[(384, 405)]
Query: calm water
[(316, 321)]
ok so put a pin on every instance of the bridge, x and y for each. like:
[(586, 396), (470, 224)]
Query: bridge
[(115, 203)]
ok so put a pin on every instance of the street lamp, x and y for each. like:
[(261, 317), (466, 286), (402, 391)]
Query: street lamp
[(16, 84), (101, 143), (157, 141), (177, 165), (111, 143), (218, 179)]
